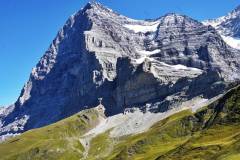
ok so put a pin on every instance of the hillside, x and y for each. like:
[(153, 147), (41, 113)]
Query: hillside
[(56, 141), (127, 63), (213, 132)]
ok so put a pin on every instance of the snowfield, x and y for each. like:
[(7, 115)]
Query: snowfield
[(232, 41), (144, 28), (180, 67)]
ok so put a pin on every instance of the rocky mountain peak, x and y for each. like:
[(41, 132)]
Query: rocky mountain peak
[(95, 6), (236, 10), (95, 9), (228, 27), (127, 63), (178, 19)]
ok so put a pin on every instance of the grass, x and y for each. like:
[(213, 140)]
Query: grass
[(57, 141), (100, 147), (158, 140), (211, 133)]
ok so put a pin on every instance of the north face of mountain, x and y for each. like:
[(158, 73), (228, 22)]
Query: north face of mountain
[(128, 63)]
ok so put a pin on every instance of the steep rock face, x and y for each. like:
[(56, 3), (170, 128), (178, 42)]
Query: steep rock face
[(228, 27), (187, 42), (101, 54)]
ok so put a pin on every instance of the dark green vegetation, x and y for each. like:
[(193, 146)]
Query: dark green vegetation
[(211, 133)]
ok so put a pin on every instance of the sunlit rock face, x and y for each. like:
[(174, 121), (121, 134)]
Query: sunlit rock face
[(128, 63), (228, 27)]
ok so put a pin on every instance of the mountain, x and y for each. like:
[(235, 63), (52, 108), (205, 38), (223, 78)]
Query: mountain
[(151, 65), (228, 27), (211, 132)]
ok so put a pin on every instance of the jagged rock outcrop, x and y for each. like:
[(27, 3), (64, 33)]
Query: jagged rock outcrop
[(99, 53), (228, 27)]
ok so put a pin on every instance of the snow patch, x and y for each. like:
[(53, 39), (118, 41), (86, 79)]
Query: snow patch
[(231, 41), (174, 67), (180, 67), (144, 52), (142, 59), (147, 27), (214, 23)]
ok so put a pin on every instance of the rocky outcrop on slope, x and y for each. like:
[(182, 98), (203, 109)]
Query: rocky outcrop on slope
[(101, 54)]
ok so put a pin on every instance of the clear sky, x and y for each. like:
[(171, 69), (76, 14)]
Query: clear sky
[(27, 27)]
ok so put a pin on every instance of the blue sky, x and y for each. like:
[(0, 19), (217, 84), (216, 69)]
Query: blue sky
[(27, 27)]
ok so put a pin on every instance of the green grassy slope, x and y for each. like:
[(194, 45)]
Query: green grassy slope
[(211, 133), (57, 141)]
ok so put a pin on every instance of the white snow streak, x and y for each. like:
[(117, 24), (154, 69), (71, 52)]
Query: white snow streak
[(180, 67), (231, 41), (148, 27), (144, 52)]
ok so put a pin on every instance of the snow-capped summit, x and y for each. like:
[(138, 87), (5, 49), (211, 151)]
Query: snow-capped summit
[(228, 27), (127, 63)]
